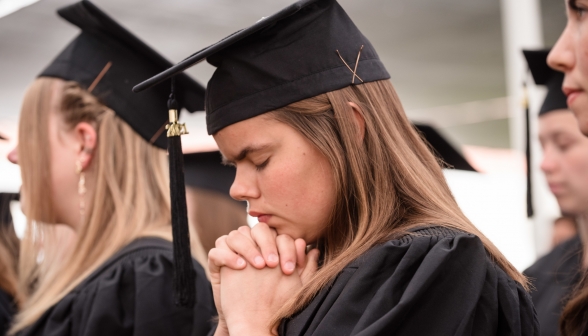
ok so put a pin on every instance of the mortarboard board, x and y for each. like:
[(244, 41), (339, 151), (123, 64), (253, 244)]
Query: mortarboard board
[(544, 75), (108, 60), (442, 148), (308, 48)]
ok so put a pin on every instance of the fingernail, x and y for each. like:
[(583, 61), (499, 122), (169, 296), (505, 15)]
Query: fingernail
[(289, 266), (240, 262), (272, 257), (259, 260)]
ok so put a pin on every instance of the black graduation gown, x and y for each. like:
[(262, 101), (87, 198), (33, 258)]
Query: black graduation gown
[(553, 277), (433, 282), (131, 294), (7, 310)]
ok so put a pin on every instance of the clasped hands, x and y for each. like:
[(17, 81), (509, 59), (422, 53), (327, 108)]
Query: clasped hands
[(248, 286)]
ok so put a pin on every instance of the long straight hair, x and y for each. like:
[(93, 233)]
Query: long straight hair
[(386, 184), (130, 199)]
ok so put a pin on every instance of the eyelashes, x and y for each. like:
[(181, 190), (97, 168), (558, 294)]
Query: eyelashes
[(573, 5), (261, 166)]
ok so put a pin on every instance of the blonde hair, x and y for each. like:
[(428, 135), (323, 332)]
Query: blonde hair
[(130, 199), (386, 184)]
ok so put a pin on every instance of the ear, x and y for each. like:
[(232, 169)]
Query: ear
[(85, 135), (359, 120)]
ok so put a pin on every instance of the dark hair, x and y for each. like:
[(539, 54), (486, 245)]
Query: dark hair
[(9, 249), (574, 319)]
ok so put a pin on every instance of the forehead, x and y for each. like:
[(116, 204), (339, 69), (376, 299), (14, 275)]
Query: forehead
[(256, 132), (558, 121)]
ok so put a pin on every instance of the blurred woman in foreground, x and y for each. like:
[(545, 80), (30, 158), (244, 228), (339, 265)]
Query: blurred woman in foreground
[(570, 56)]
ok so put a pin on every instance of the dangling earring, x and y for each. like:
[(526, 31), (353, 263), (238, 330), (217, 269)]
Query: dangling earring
[(81, 190)]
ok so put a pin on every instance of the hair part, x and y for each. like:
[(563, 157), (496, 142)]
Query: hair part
[(130, 199), (386, 184)]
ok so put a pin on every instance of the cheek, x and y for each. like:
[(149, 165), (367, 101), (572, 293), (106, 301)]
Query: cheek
[(304, 188), (578, 172)]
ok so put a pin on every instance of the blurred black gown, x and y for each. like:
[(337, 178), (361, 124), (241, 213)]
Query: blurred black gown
[(131, 294), (435, 281), (553, 277), (7, 310)]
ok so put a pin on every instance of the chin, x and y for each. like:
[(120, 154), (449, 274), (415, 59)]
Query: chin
[(571, 209)]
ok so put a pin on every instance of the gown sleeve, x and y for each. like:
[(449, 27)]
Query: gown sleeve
[(132, 297), (427, 284)]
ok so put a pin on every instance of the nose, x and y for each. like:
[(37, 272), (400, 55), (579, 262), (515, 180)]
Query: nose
[(244, 187), (549, 164), (562, 57), (13, 155)]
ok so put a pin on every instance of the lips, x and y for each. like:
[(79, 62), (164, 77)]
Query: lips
[(556, 188), (261, 217), (572, 94)]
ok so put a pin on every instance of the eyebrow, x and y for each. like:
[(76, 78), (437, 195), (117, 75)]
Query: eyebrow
[(243, 154)]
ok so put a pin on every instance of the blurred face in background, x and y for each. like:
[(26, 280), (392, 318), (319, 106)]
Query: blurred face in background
[(565, 160), (570, 56)]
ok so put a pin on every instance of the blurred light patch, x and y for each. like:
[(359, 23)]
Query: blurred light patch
[(18, 218), (495, 204), (10, 6)]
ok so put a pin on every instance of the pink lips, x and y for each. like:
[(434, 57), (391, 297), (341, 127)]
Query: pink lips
[(260, 216), (264, 218), (572, 94)]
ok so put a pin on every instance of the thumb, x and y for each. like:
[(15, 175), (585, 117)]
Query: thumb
[(311, 266)]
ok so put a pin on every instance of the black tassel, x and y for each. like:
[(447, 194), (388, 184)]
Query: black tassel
[(530, 211), (184, 274)]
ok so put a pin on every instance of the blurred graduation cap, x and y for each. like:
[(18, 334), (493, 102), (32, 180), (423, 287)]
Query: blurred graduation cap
[(442, 148), (204, 170), (546, 76), (554, 100), (308, 48), (107, 59)]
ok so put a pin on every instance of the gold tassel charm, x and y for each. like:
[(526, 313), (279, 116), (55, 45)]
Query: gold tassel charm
[(174, 128)]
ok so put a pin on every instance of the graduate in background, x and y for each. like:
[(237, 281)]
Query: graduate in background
[(91, 157), (212, 212), (302, 106), (565, 164)]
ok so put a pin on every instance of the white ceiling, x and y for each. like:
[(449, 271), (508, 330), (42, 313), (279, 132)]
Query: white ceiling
[(438, 52)]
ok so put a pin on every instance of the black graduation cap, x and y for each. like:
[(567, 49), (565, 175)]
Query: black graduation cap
[(552, 79), (108, 60), (442, 148), (204, 170), (308, 48)]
